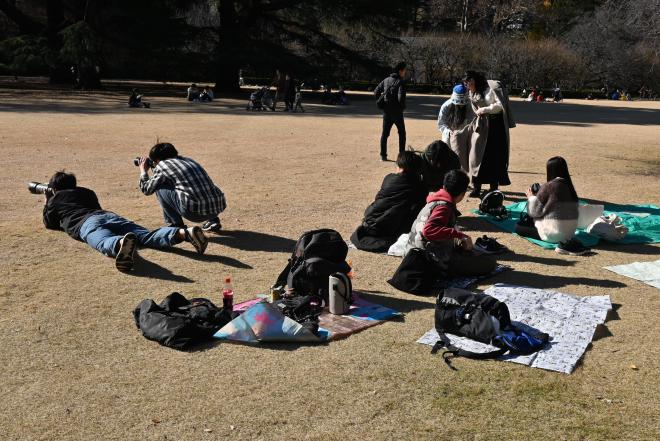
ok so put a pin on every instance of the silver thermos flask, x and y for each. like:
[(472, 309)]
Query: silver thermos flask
[(340, 294)]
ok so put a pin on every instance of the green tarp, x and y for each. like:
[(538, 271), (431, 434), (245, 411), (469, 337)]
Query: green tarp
[(643, 222)]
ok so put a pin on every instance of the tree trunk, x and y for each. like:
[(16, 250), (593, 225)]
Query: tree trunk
[(58, 73), (229, 51)]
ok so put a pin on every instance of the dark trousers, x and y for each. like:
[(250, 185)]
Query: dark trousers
[(467, 264), (174, 212), (389, 119)]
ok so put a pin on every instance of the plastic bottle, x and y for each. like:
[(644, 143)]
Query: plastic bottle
[(228, 295)]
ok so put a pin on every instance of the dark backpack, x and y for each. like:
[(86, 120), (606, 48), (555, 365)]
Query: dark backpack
[(387, 96), (317, 255), (178, 322), (418, 272), (493, 204), (470, 315)]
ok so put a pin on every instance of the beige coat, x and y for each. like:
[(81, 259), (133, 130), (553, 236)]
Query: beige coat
[(470, 144)]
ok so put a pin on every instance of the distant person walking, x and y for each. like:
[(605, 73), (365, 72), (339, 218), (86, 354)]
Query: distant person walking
[(391, 99), (280, 83)]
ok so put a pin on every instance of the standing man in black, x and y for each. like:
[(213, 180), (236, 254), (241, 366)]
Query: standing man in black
[(391, 96)]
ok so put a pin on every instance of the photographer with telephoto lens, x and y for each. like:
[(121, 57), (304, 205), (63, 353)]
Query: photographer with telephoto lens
[(76, 210), (183, 188)]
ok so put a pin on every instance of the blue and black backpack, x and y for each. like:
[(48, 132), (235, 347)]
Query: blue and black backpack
[(482, 318)]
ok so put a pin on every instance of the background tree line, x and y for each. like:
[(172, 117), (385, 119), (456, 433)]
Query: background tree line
[(570, 43)]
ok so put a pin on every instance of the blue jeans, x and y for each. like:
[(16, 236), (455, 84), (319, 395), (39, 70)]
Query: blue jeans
[(104, 231), (173, 210)]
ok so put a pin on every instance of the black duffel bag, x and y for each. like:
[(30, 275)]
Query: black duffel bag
[(178, 322)]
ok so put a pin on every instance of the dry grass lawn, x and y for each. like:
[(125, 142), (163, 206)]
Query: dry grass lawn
[(75, 367)]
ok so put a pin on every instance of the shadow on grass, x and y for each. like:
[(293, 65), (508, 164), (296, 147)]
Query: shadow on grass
[(545, 281), (281, 346), (526, 258), (398, 304), (224, 260), (254, 241), (476, 223), (146, 268), (646, 249)]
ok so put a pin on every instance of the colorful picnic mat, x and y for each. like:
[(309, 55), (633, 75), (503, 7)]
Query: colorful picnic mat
[(569, 320), (643, 222), (647, 272), (263, 322)]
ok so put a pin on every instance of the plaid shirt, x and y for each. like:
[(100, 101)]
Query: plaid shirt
[(195, 189)]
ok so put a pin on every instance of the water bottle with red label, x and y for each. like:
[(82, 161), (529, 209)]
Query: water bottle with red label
[(228, 295)]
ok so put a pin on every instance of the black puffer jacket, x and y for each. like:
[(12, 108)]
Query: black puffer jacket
[(391, 214), (395, 87)]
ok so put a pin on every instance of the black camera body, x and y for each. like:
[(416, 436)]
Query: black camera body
[(150, 163), (536, 187), (39, 188)]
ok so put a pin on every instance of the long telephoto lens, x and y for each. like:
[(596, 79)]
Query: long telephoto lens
[(37, 188), (136, 162)]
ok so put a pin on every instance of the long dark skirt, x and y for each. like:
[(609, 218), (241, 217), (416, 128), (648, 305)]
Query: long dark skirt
[(495, 163)]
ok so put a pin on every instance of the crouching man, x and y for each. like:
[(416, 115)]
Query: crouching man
[(76, 210), (183, 188), (435, 230)]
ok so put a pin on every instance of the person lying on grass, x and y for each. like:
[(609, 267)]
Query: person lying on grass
[(397, 203), (76, 210), (183, 188), (435, 230), (553, 211)]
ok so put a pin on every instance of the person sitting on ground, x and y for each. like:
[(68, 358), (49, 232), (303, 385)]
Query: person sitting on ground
[(327, 97), (192, 94), (76, 210), (206, 95), (397, 203), (135, 100), (554, 210), (435, 230), (557, 96), (341, 97), (437, 160), (183, 188)]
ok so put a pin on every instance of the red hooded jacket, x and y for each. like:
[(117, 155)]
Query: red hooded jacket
[(437, 226)]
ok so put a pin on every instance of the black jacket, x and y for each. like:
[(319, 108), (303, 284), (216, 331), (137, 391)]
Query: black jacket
[(68, 209), (395, 87), (392, 213)]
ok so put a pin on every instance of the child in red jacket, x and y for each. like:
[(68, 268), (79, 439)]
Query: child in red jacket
[(435, 230)]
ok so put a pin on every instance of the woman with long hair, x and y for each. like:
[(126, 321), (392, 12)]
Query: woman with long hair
[(489, 144), (553, 209)]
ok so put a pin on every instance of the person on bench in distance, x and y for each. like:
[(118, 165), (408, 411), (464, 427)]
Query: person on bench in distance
[(183, 188), (553, 211), (76, 210), (397, 203), (435, 230)]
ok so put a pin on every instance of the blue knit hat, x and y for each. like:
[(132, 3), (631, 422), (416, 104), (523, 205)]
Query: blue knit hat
[(459, 95)]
